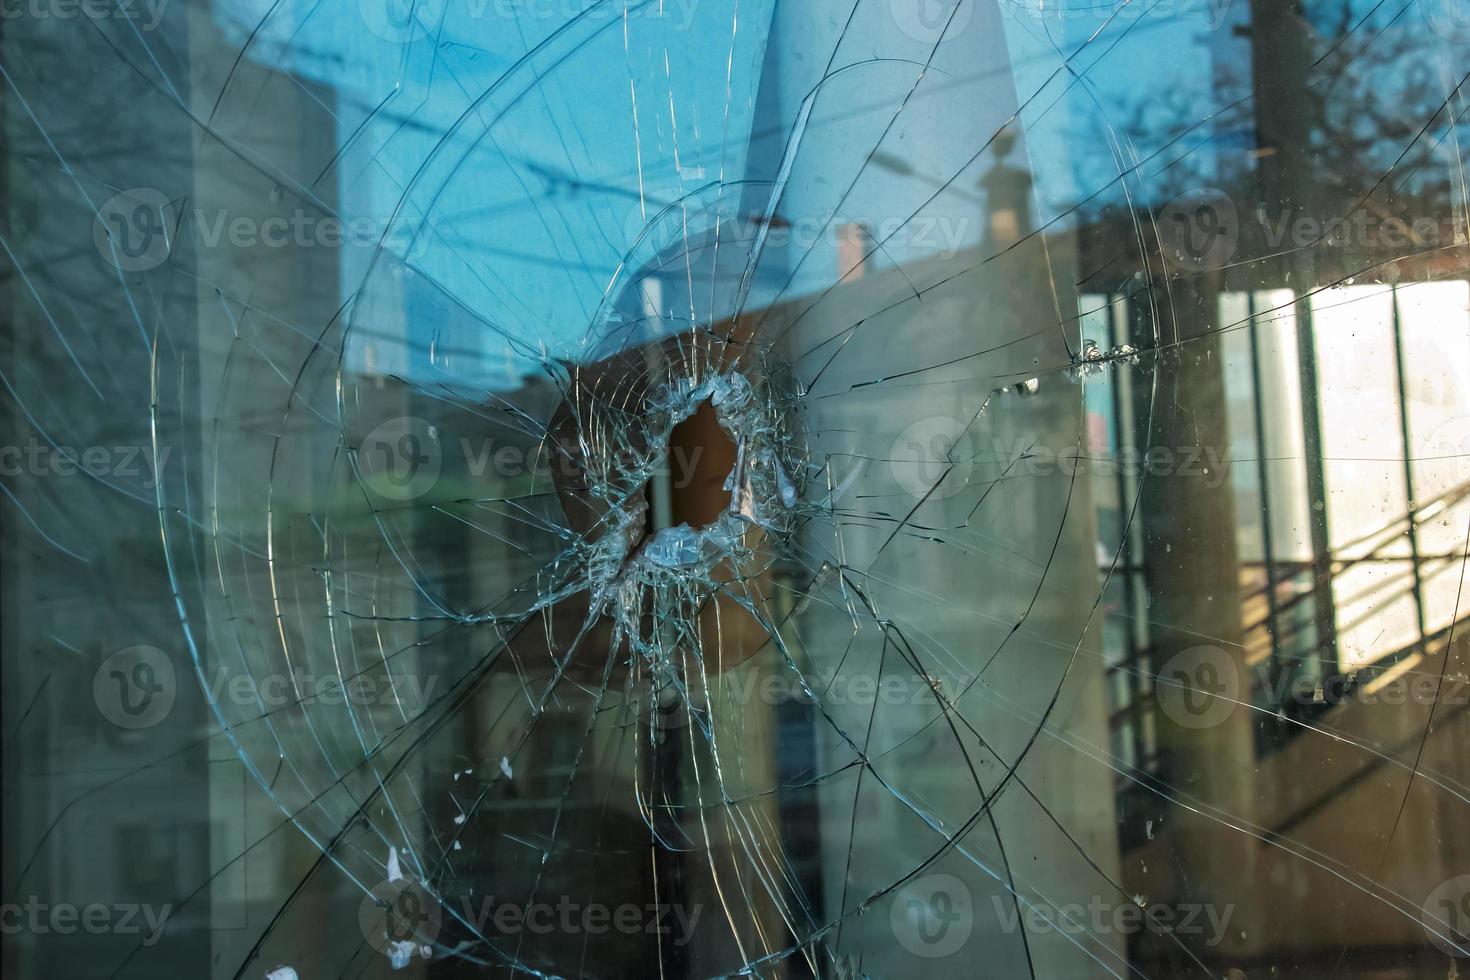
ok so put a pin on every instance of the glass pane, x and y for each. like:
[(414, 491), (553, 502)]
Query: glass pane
[(700, 488)]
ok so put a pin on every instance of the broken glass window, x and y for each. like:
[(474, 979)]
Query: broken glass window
[(693, 488)]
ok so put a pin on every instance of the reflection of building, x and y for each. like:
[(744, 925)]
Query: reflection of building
[(984, 586), (1304, 525), (164, 817), (95, 813)]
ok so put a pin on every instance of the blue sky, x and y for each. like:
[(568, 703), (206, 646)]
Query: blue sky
[(499, 136)]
